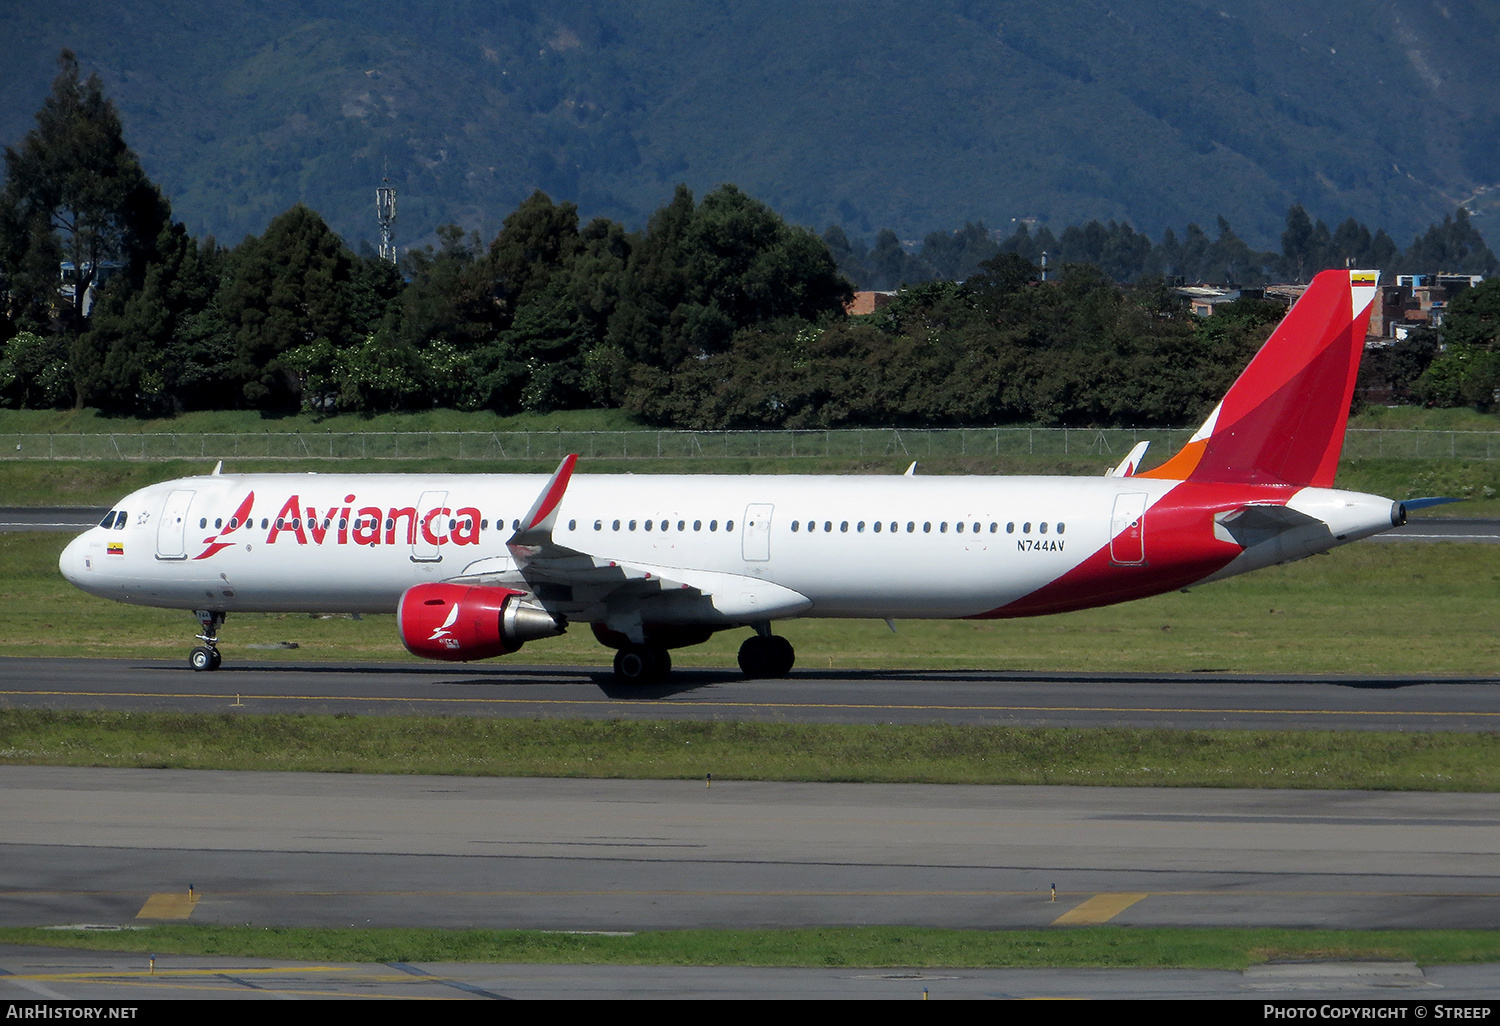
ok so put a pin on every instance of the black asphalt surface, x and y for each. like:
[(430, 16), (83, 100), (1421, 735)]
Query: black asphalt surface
[(1182, 701)]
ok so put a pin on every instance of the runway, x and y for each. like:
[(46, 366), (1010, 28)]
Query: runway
[(1179, 701), (123, 846)]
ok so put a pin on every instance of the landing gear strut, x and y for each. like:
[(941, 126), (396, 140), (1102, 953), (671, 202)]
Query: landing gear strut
[(206, 656), (766, 655)]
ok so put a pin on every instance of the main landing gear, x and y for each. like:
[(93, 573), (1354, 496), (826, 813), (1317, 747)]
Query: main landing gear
[(206, 656), (763, 655)]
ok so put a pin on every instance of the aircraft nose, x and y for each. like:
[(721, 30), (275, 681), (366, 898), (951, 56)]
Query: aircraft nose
[(75, 562)]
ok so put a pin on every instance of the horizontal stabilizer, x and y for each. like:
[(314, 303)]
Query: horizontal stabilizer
[(1249, 526), (1432, 500)]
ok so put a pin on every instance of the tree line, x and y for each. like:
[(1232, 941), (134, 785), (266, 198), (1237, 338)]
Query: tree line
[(1453, 245), (717, 314)]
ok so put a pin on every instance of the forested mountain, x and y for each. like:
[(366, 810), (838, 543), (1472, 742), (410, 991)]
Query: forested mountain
[(869, 115)]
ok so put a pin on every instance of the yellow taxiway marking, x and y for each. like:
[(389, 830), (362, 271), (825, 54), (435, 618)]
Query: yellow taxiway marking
[(1101, 908), (167, 906), (159, 973), (659, 703)]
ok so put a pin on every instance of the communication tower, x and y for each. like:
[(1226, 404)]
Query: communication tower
[(385, 213)]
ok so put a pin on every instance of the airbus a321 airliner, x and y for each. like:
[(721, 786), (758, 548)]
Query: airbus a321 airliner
[(476, 565)]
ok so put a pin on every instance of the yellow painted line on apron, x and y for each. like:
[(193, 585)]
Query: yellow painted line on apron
[(1101, 908), (167, 906)]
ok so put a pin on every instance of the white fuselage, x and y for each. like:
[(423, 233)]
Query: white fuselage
[(782, 545)]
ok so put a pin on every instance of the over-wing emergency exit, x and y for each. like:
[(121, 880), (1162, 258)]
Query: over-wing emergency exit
[(476, 565)]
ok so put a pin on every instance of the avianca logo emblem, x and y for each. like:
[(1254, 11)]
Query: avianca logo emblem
[(238, 520), (442, 632)]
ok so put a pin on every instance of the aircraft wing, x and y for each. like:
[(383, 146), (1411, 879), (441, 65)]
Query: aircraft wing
[(1127, 467), (583, 586)]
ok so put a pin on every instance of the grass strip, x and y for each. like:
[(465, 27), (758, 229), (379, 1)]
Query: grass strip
[(677, 750), (870, 947)]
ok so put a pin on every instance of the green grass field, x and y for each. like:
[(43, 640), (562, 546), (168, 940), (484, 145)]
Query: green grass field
[(871, 946), (732, 750)]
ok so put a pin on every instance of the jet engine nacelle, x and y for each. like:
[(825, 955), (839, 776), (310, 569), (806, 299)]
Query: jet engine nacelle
[(459, 622)]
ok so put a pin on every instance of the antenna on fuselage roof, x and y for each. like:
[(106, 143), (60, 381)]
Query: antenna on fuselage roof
[(218, 469), (911, 471)]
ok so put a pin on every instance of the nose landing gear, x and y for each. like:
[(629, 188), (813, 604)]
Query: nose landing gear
[(206, 656), (766, 656)]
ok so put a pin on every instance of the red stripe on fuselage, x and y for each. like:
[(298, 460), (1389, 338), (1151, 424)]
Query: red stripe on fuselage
[(1180, 549)]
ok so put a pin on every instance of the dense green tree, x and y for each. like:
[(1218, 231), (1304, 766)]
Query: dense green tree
[(291, 287), (1454, 246), (74, 192), (536, 241), (701, 273), (34, 372), (161, 348), (957, 255), (1467, 371), (1388, 373)]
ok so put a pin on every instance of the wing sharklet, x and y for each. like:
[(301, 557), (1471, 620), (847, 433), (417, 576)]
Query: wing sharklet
[(535, 532)]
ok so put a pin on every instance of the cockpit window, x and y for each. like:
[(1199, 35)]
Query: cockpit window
[(109, 519), (115, 519), (120, 519)]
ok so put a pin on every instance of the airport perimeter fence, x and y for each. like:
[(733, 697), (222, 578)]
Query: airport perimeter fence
[(503, 446)]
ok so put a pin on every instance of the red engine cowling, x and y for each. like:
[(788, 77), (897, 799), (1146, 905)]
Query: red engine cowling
[(459, 622)]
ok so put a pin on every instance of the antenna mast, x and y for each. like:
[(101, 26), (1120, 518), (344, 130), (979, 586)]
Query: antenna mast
[(385, 213)]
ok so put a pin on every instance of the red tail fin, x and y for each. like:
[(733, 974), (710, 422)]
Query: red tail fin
[(1283, 420)]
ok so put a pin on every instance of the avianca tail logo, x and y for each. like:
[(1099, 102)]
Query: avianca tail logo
[(238, 520)]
